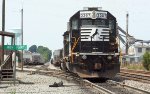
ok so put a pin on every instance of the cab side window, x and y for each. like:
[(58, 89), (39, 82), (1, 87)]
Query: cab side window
[(74, 24)]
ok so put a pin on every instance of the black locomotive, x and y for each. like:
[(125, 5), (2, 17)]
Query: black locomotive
[(90, 44)]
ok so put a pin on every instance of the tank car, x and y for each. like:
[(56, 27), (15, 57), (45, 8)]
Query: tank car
[(90, 44)]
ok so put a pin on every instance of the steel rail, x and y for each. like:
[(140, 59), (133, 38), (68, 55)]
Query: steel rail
[(135, 71), (135, 75), (130, 87), (86, 83), (71, 77), (99, 88)]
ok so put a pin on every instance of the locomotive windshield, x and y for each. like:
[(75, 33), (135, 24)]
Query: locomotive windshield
[(86, 22), (97, 22)]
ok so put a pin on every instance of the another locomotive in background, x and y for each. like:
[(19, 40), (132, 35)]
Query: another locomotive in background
[(90, 44)]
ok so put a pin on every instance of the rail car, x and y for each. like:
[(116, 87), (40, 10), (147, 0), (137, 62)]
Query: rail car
[(57, 57), (37, 59), (90, 44), (32, 58)]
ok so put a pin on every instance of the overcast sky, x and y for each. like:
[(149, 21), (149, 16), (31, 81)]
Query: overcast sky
[(45, 21)]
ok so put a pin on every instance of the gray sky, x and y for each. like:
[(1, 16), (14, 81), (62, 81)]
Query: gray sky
[(45, 20)]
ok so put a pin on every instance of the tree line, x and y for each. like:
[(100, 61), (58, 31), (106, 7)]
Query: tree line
[(44, 51)]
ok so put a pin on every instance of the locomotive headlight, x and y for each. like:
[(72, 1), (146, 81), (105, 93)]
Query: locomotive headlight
[(112, 43), (84, 57), (109, 57), (77, 54)]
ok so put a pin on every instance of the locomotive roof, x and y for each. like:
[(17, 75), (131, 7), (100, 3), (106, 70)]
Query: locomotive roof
[(77, 13)]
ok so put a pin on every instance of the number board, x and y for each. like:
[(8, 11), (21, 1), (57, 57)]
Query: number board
[(93, 14)]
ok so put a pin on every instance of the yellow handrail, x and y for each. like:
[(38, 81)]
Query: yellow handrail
[(74, 45)]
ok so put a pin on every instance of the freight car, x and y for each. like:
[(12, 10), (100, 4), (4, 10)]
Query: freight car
[(32, 58), (37, 59), (57, 57), (90, 44)]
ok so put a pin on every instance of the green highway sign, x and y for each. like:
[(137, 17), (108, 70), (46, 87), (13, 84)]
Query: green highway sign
[(15, 47)]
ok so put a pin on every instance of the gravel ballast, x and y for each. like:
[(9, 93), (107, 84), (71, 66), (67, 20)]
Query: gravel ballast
[(139, 85), (39, 84)]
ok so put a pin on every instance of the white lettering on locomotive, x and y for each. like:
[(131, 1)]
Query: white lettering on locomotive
[(93, 14), (101, 15), (85, 15)]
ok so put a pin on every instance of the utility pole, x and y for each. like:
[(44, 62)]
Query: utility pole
[(127, 37), (3, 28), (22, 38)]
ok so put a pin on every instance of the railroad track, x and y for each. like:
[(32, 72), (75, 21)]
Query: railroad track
[(100, 88), (43, 70), (120, 88), (141, 76)]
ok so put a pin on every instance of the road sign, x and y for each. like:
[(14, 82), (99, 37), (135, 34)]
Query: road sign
[(15, 47)]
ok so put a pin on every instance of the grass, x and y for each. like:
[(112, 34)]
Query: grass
[(134, 66), (14, 91)]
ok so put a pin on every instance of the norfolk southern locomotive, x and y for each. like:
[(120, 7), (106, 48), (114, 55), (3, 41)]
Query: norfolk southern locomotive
[(90, 44)]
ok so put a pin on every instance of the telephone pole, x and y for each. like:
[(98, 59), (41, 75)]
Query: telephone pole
[(22, 38), (127, 37), (3, 28)]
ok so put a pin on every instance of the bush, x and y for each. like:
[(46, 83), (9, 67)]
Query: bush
[(146, 60)]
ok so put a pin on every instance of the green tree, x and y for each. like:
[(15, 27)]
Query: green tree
[(33, 48), (45, 52), (146, 60)]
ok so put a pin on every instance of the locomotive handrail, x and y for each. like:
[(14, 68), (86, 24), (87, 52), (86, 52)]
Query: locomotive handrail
[(76, 41), (74, 45)]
